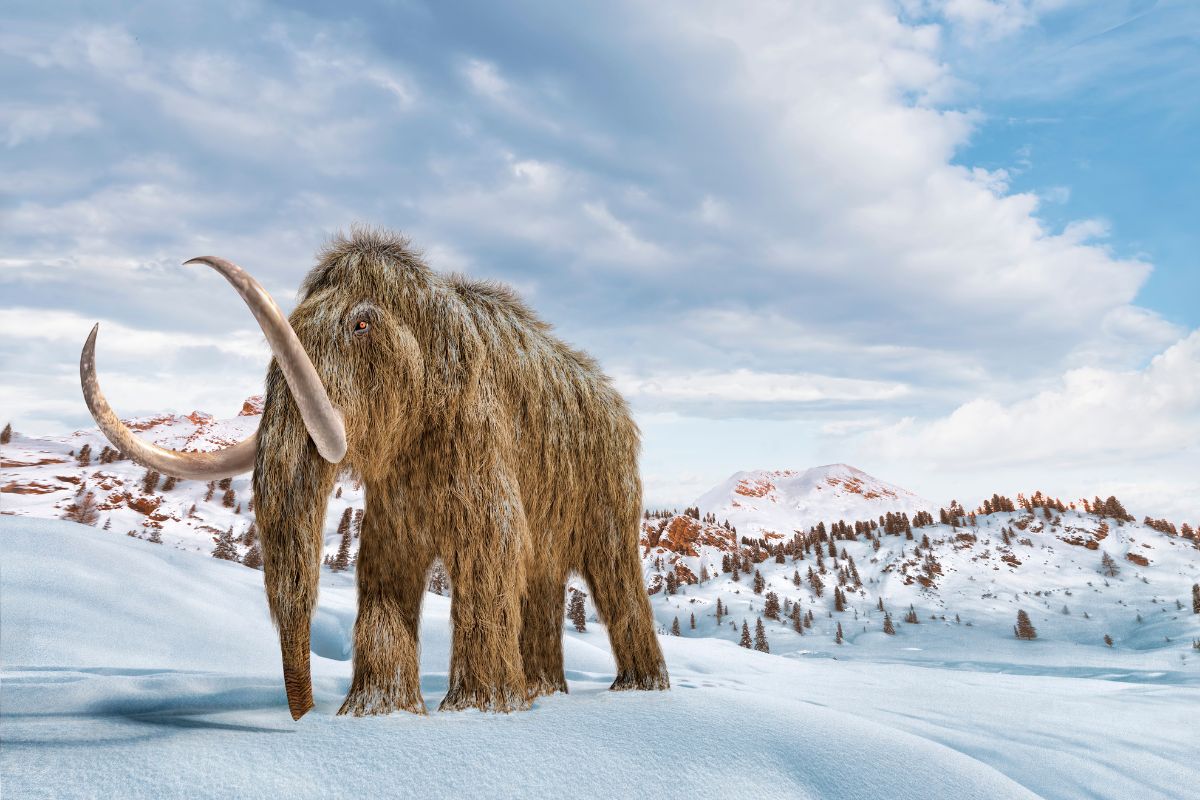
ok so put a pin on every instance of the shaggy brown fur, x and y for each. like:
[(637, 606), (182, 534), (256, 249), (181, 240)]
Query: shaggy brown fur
[(481, 439)]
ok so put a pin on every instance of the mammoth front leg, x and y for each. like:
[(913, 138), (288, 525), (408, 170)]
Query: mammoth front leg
[(487, 579), (391, 585)]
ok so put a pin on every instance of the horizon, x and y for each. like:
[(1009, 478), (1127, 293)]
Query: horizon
[(951, 244), (673, 505)]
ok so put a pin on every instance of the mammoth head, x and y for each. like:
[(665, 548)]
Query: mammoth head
[(322, 419)]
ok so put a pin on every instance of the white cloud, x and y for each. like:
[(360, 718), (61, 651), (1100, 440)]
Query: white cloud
[(1093, 413), (23, 124), (312, 109), (517, 102), (745, 386), (985, 19), (66, 327), (485, 79), (142, 371)]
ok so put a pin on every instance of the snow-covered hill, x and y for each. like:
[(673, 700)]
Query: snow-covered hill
[(780, 501), (135, 670), (44, 477), (870, 541)]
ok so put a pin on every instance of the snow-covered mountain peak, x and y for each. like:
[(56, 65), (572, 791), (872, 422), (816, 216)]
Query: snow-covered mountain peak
[(781, 501)]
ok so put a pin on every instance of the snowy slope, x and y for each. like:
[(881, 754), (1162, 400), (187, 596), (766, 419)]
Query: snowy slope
[(40, 476), (135, 670), (963, 582)]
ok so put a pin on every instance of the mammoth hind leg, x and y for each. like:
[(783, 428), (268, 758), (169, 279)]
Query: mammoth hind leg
[(387, 672), (615, 578), (542, 634)]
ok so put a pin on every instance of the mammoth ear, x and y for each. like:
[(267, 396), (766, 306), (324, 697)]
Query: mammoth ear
[(455, 352)]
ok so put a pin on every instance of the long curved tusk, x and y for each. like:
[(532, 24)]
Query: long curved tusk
[(232, 460), (321, 417)]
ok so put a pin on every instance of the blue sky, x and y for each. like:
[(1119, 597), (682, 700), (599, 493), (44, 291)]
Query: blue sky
[(951, 242)]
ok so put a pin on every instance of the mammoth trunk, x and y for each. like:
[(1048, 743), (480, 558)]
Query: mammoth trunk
[(291, 487)]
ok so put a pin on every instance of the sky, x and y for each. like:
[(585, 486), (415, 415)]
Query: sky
[(950, 242)]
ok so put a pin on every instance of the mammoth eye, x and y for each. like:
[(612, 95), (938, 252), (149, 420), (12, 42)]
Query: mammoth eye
[(361, 327)]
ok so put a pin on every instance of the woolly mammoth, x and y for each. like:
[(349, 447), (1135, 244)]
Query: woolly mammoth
[(481, 439)]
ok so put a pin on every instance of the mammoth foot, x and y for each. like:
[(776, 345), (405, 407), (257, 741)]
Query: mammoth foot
[(500, 699), (371, 702), (545, 685), (646, 681)]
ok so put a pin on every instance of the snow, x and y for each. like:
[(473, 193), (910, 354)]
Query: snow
[(139, 670)]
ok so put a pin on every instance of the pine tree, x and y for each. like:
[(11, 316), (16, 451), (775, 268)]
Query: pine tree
[(720, 611), (6, 434), (771, 607), (760, 637), (888, 627), (736, 576), (85, 456), (879, 605), (155, 536), (576, 611), (342, 560), (692, 622), (225, 483), (1196, 598), (796, 576), (169, 483), (797, 619), (229, 498), (150, 481), (745, 641), (344, 523), (1108, 566), (1024, 628), (225, 550), (253, 558), (212, 487), (358, 522), (838, 639), (814, 580), (759, 583), (675, 627), (839, 599), (672, 582), (911, 616), (439, 582), (83, 510)]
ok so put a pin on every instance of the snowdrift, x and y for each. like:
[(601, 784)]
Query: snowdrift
[(135, 670)]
